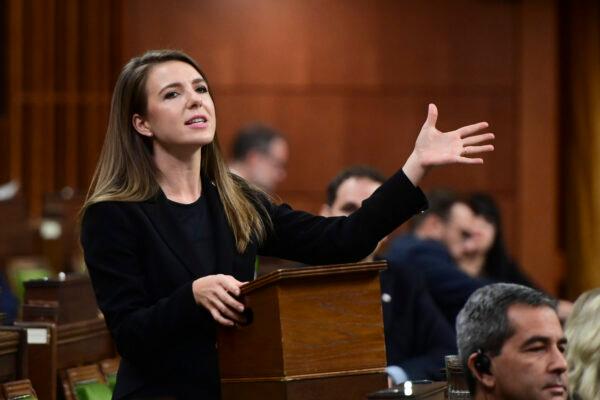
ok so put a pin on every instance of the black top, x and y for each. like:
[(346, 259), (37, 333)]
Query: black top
[(196, 225)]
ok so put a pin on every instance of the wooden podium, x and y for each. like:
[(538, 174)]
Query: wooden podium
[(316, 333)]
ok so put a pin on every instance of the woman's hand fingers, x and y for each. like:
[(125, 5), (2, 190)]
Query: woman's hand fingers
[(471, 140), (219, 318), (472, 150), (470, 129), (230, 284), (434, 147), (217, 293), (432, 114), (229, 308), (227, 299)]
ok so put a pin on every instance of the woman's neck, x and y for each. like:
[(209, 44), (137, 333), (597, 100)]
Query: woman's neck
[(179, 175)]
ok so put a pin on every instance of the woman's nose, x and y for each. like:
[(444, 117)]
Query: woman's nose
[(194, 99)]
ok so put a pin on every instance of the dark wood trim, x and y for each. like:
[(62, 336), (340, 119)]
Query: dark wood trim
[(329, 270)]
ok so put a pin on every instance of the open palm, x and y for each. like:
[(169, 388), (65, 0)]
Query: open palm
[(434, 147)]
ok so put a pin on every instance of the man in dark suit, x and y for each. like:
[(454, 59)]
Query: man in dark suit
[(416, 334)]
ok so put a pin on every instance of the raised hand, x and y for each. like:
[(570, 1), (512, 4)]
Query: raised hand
[(434, 147), (217, 293)]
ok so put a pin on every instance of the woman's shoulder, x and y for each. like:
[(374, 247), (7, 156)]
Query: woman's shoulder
[(110, 206), (105, 211)]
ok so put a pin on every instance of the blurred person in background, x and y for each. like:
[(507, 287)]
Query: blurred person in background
[(583, 353), (488, 258), (260, 156), (437, 238)]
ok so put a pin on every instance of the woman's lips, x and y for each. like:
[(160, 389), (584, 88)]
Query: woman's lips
[(197, 121)]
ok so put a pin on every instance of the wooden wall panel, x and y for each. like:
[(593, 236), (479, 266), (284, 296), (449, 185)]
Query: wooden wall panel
[(347, 81), (4, 137), (60, 73), (537, 196)]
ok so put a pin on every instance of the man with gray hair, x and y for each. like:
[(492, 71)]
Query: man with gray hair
[(511, 344)]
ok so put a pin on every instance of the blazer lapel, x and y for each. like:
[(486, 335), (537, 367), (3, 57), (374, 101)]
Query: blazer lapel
[(165, 224)]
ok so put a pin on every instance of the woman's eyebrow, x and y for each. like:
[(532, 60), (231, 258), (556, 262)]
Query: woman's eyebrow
[(171, 85), (180, 85)]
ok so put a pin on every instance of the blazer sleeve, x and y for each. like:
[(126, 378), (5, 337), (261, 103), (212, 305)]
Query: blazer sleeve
[(139, 324), (311, 239)]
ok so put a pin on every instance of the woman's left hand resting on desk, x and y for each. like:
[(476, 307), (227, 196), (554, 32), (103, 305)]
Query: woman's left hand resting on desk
[(434, 147)]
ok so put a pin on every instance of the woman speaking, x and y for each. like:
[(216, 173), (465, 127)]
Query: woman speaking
[(169, 235)]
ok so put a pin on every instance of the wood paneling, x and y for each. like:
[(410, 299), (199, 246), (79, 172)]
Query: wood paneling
[(537, 195), (347, 81), (60, 74)]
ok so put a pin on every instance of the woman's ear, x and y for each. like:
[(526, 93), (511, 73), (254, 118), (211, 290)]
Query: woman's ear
[(141, 125)]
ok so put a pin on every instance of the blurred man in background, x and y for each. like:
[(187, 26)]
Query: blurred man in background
[(439, 237), (260, 155)]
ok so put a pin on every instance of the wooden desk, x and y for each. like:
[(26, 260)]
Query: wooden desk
[(52, 348), (64, 330), (13, 357)]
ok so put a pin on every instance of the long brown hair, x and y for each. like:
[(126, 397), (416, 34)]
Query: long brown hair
[(126, 170)]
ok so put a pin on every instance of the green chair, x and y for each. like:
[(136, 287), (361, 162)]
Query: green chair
[(85, 383), (28, 274), (21, 390), (92, 391), (109, 368), (111, 380), (22, 269)]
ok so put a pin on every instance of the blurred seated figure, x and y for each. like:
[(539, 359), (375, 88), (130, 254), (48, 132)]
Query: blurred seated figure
[(583, 353), (488, 258), (260, 155), (437, 238), (9, 305), (417, 336), (511, 344)]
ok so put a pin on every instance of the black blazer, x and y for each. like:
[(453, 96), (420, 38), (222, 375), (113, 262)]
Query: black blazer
[(142, 271), (417, 336)]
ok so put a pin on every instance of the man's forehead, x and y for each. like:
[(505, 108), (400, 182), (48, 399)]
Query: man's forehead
[(460, 211), (357, 187), (529, 321)]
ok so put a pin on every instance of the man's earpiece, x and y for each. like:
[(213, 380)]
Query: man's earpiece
[(482, 362)]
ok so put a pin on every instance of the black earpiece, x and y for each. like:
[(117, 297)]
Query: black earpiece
[(482, 362)]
